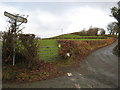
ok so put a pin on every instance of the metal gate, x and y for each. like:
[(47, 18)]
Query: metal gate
[(49, 53)]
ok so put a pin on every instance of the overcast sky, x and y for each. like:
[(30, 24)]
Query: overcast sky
[(48, 19)]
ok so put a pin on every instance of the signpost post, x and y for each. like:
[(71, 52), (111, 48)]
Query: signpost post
[(15, 18)]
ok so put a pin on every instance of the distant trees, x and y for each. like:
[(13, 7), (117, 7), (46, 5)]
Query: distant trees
[(102, 31), (116, 28), (92, 31), (81, 33), (113, 28)]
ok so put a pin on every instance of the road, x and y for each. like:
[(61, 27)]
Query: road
[(98, 70)]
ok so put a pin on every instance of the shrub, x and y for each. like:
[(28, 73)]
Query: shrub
[(8, 73), (75, 48), (28, 47), (7, 48)]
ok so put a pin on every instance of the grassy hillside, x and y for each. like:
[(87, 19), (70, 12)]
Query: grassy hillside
[(73, 36), (49, 46)]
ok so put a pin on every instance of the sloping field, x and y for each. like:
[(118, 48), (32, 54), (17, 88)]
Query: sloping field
[(49, 50), (73, 36)]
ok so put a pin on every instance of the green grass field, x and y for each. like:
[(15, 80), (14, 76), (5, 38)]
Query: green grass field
[(71, 36)]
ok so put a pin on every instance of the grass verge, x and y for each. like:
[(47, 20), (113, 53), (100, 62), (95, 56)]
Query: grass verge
[(20, 73)]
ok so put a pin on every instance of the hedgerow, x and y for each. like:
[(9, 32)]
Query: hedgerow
[(81, 48)]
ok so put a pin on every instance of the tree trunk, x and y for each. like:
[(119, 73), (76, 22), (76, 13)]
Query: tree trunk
[(112, 33), (118, 38), (119, 43), (116, 33)]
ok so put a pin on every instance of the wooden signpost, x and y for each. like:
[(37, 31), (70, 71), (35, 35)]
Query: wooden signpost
[(15, 18)]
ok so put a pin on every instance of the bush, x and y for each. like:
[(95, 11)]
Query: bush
[(28, 47), (8, 73), (7, 48), (74, 48)]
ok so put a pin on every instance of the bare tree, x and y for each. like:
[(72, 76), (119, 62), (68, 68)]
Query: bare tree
[(115, 11), (113, 28), (102, 31)]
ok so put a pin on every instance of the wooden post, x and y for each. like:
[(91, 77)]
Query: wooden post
[(14, 41)]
